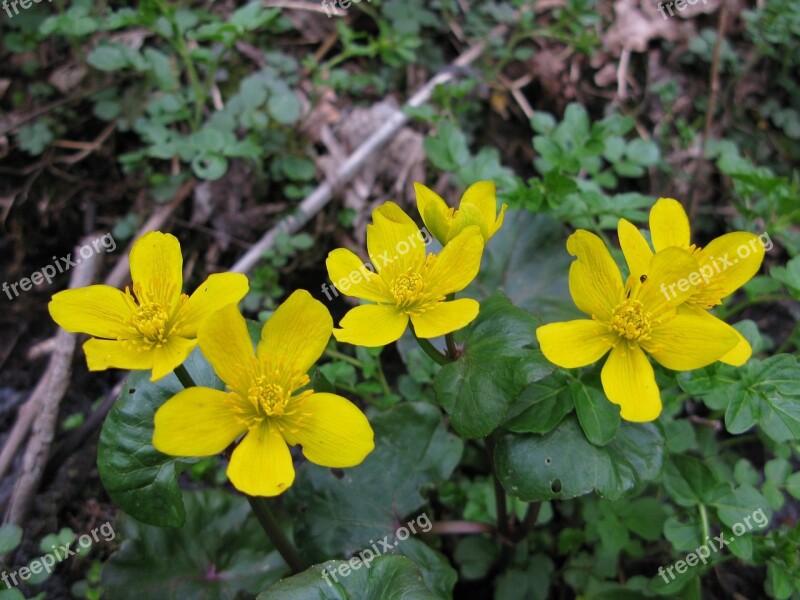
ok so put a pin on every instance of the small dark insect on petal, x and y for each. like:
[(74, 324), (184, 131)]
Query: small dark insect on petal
[(643, 278)]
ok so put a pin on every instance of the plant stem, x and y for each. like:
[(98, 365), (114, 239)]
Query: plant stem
[(431, 351), (261, 509), (704, 521), (452, 349), (184, 377), (344, 357), (499, 492)]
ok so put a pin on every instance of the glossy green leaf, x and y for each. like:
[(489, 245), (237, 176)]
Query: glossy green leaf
[(598, 417), (141, 480), (220, 551), (498, 360), (541, 405), (338, 512), (564, 464), (387, 578)]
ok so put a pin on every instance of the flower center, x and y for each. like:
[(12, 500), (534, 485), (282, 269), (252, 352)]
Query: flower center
[(269, 398), (151, 321), (630, 320), (407, 290)]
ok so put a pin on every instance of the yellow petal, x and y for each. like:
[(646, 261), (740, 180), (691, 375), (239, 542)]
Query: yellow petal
[(669, 225), (595, 282), (445, 317), (170, 355), (198, 421), (226, 345), (297, 333), (629, 381), (466, 216), (332, 431), (573, 344), (741, 352), (371, 325), (98, 310), (635, 248), (351, 277), (157, 268), (691, 340), (668, 283), (482, 195), (434, 212), (457, 264), (111, 354), (394, 241), (215, 292), (499, 221), (261, 464), (733, 259)]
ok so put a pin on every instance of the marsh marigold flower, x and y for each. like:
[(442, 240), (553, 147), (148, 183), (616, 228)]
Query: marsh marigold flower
[(408, 284), (154, 326), (265, 401), (724, 265), (630, 320), (478, 207)]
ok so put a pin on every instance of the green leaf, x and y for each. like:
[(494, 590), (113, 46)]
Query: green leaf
[(497, 362), (447, 149), (10, 537), (334, 513), (738, 506), (387, 578), (139, 479), (220, 551), (793, 484), (541, 405), (598, 417), (683, 535), (108, 58), (769, 394), (210, 166), (689, 481), (563, 464), (284, 107)]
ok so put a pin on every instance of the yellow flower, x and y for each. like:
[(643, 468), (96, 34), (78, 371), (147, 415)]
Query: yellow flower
[(630, 320), (724, 265), (408, 284), (478, 206), (265, 401), (155, 326)]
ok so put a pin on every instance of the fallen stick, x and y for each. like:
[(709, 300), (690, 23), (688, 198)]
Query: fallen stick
[(315, 201), (41, 411)]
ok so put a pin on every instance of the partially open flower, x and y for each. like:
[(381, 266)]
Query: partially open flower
[(478, 206)]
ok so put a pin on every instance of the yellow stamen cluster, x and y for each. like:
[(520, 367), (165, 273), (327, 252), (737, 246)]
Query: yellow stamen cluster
[(630, 321), (268, 398), (407, 290), (151, 320)]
